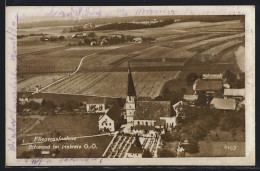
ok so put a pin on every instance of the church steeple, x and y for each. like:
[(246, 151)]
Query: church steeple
[(131, 87), (130, 99)]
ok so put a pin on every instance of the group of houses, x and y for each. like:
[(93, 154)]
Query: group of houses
[(217, 93)]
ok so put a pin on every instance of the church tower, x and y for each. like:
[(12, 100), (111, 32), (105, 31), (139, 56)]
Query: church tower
[(130, 99)]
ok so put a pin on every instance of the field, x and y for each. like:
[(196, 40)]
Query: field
[(69, 125), (112, 84), (202, 47), (42, 80), (24, 123)]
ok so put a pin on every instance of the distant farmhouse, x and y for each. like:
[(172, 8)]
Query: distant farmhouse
[(212, 76), (238, 94), (95, 105), (137, 40), (26, 98), (223, 104), (207, 86), (191, 99)]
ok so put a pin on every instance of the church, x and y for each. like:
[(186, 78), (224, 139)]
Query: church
[(147, 118)]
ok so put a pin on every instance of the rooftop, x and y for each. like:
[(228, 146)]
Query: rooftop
[(190, 97), (114, 113), (205, 85), (226, 104), (179, 104), (152, 110), (95, 100), (212, 76), (234, 92), (160, 123), (143, 127)]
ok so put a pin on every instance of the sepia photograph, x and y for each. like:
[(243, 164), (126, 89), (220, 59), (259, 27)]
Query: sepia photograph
[(101, 84)]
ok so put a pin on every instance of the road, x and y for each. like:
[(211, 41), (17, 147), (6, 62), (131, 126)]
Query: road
[(80, 63)]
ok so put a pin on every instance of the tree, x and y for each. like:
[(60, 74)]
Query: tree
[(33, 105), (191, 78), (61, 38), (92, 34), (137, 141), (147, 154), (230, 78), (166, 153), (192, 147), (87, 41), (173, 96), (43, 102)]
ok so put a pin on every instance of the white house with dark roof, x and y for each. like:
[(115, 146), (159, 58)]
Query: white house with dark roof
[(109, 120), (223, 104), (95, 105)]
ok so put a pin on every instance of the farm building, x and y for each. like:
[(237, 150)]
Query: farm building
[(134, 152), (234, 93), (27, 97), (95, 105), (223, 104), (110, 120), (207, 86), (212, 76), (191, 99), (138, 40)]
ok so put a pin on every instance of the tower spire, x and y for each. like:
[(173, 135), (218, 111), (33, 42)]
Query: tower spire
[(131, 87)]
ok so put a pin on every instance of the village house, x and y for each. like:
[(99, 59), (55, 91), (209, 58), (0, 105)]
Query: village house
[(137, 40), (207, 86), (191, 99), (237, 94), (109, 121), (212, 76), (116, 35), (223, 104), (95, 105), (134, 152), (26, 98)]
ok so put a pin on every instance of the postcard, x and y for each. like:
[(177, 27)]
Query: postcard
[(130, 86)]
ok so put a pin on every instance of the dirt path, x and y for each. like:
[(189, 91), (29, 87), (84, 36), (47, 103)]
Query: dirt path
[(80, 63)]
